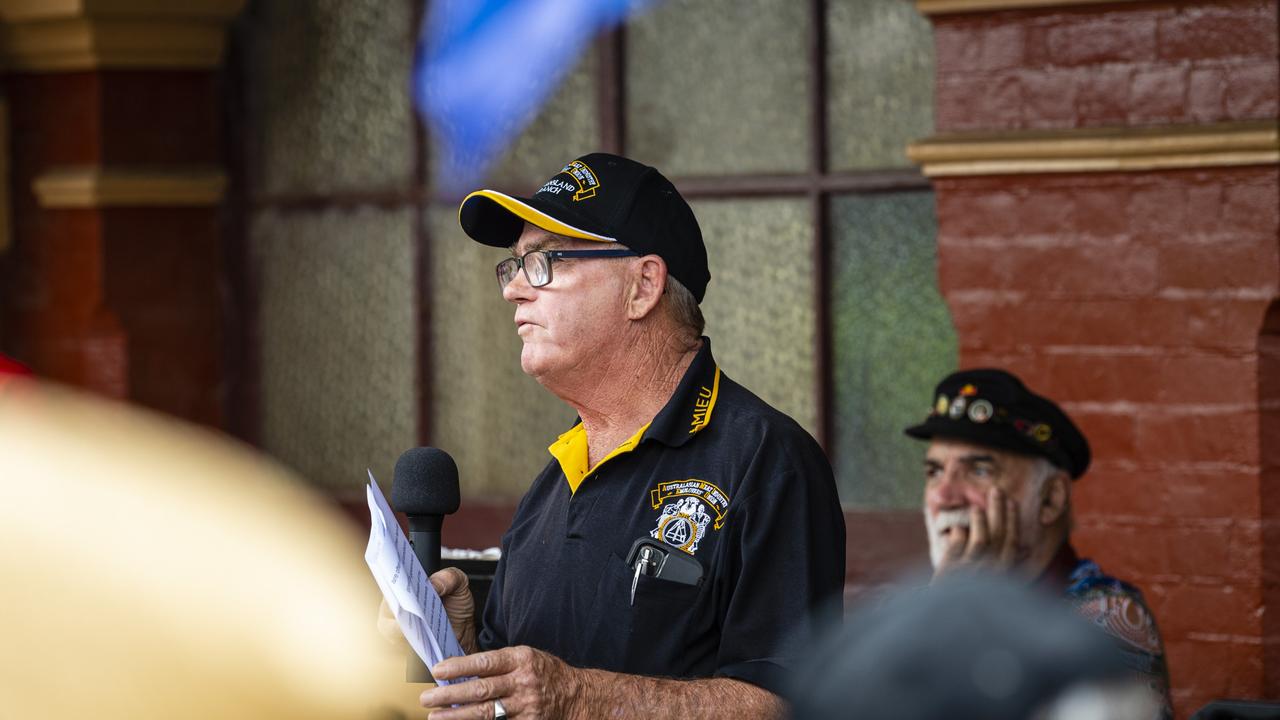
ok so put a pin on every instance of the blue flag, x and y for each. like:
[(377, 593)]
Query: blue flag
[(484, 67)]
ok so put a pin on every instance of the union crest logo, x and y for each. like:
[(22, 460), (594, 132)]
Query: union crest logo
[(586, 178), (683, 523), (687, 512)]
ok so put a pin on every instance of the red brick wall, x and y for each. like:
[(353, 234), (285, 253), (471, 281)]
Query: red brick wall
[(1138, 300), (1142, 318), (1122, 64)]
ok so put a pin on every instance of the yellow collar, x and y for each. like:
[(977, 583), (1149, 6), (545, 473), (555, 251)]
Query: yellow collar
[(570, 449)]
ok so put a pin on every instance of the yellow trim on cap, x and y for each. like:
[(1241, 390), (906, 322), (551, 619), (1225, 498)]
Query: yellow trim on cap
[(534, 216), (570, 450)]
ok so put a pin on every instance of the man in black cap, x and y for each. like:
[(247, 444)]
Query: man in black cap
[(668, 559), (998, 473)]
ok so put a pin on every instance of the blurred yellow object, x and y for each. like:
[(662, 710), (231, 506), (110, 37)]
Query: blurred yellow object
[(155, 570)]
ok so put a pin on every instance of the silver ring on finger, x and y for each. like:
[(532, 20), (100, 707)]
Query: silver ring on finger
[(498, 710)]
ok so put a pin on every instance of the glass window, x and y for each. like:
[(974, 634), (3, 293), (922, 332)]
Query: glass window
[(892, 340), (329, 96), (760, 303), (336, 313), (719, 86), (880, 83)]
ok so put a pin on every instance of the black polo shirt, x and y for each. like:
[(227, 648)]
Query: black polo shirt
[(736, 483)]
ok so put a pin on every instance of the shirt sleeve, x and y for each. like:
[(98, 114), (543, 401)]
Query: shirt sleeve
[(784, 570)]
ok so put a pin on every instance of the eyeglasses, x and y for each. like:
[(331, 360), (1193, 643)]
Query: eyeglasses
[(537, 264)]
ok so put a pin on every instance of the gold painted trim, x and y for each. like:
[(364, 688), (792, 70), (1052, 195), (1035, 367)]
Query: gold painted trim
[(61, 45), (1099, 150), (947, 7), (17, 11), (86, 187)]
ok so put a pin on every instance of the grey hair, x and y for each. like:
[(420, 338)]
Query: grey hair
[(1041, 471), (683, 307)]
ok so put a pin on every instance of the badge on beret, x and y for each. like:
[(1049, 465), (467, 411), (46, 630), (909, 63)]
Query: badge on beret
[(1042, 432), (940, 407), (968, 391), (957, 408), (980, 411)]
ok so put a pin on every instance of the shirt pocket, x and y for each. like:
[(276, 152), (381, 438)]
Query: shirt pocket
[(649, 636)]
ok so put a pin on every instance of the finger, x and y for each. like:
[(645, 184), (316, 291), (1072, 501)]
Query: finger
[(469, 692), (478, 711), (449, 581), (977, 533), (996, 519), (1012, 522), (483, 664), (957, 540)]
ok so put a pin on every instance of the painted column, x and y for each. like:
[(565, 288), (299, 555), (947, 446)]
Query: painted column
[(113, 263)]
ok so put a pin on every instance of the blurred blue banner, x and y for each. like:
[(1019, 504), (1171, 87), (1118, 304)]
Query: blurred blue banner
[(484, 67)]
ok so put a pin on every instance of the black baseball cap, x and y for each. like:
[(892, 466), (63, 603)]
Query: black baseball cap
[(603, 198), (992, 407)]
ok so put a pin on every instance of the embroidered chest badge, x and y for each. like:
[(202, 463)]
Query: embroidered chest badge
[(689, 508)]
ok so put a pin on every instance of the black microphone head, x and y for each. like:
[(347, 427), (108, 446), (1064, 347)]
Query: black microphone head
[(425, 483)]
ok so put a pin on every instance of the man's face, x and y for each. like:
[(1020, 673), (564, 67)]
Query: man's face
[(573, 319), (959, 476)]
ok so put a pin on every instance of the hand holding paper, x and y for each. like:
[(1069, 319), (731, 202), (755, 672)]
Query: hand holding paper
[(404, 584)]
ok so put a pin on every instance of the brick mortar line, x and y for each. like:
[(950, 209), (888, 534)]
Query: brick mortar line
[(1088, 69), (1237, 583), (1172, 293), (1103, 521), (1161, 409), (1205, 466), (1223, 638), (1085, 241), (1181, 353)]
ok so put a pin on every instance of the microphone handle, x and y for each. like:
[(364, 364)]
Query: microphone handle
[(424, 535)]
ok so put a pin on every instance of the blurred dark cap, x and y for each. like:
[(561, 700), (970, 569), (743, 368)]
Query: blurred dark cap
[(967, 647)]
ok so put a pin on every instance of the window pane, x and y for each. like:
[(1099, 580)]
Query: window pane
[(719, 86), (329, 95), (566, 127), (336, 314), (760, 303), (892, 340), (493, 419), (880, 87)]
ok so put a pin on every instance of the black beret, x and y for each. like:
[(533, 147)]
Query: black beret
[(992, 407)]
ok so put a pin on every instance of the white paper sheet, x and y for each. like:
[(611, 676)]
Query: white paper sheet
[(404, 584)]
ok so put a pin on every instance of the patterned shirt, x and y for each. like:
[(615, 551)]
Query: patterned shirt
[(1117, 608)]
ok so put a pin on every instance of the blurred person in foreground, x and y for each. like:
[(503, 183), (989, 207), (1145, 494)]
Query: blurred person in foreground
[(972, 646), (606, 274), (998, 475), (153, 569)]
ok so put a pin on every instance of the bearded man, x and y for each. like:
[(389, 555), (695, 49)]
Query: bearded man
[(998, 473)]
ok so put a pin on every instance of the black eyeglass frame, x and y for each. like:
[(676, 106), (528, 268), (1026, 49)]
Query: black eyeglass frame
[(552, 256)]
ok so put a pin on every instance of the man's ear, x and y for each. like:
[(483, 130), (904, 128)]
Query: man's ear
[(1055, 498), (649, 280)]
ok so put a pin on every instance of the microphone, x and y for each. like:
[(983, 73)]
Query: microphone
[(425, 488)]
